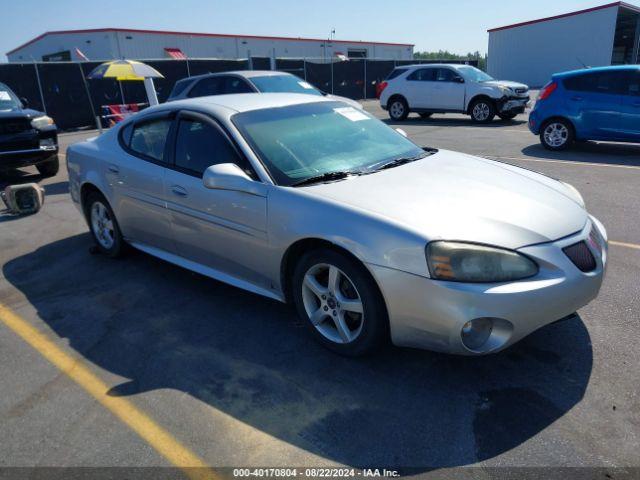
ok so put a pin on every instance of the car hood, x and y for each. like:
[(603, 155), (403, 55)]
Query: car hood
[(505, 83), (349, 101), (454, 196), (19, 113)]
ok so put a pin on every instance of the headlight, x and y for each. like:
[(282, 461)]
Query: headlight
[(575, 194), (506, 91), (41, 122), (467, 262)]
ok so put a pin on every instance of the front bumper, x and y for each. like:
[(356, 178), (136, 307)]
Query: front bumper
[(513, 104), (429, 314), (28, 148)]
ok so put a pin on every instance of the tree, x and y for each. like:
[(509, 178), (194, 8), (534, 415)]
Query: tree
[(445, 55)]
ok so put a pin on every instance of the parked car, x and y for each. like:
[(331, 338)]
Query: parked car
[(444, 88), (249, 81), (27, 137), (304, 199), (590, 104)]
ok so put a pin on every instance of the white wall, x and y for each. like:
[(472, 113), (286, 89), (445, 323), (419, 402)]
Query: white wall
[(109, 45), (532, 53)]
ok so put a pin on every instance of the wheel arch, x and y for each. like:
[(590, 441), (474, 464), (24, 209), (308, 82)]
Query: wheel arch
[(397, 96), (479, 96), (296, 250), (85, 190), (546, 121)]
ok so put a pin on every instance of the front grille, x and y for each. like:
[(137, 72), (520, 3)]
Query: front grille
[(14, 125), (581, 256), (520, 91)]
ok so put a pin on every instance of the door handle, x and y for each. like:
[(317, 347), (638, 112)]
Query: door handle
[(114, 168), (576, 99), (178, 190), (636, 104)]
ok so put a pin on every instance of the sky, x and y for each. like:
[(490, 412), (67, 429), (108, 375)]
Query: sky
[(459, 26)]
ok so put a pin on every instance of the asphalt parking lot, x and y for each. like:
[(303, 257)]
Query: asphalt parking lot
[(165, 367)]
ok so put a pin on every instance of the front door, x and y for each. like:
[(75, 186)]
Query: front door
[(220, 229), (448, 90), (630, 114)]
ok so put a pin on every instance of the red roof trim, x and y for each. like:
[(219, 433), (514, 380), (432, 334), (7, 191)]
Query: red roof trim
[(564, 15), (197, 34)]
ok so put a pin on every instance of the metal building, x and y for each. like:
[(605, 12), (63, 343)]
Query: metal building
[(112, 43), (530, 52)]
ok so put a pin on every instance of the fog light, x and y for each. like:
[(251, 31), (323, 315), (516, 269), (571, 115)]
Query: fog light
[(476, 332), (47, 144)]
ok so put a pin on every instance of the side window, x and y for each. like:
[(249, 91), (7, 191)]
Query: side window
[(444, 75), (423, 75), (396, 73), (180, 87), (208, 86), (596, 82), (149, 138), (237, 85), (631, 84), (200, 145)]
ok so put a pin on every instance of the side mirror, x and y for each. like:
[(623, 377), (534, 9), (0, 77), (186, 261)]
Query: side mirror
[(458, 79), (402, 132), (25, 102), (229, 176)]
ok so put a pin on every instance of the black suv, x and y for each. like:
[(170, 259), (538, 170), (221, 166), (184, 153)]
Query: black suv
[(27, 137)]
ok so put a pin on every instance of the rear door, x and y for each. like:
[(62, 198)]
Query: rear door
[(594, 101), (220, 229), (137, 178), (419, 87), (448, 90), (630, 114)]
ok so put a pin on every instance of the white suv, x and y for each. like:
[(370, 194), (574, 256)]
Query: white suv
[(447, 88)]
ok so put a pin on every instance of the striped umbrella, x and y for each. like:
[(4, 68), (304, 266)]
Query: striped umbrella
[(124, 70)]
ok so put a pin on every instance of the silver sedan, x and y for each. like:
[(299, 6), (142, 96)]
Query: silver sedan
[(308, 200)]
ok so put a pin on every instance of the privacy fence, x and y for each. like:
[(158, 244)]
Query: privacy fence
[(61, 89)]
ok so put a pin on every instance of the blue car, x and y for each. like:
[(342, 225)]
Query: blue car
[(591, 104)]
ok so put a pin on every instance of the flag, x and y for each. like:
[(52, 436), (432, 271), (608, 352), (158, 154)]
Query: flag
[(81, 55)]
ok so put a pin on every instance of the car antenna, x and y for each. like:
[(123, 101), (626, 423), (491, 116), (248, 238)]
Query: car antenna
[(584, 65)]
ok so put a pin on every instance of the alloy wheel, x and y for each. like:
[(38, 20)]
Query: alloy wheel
[(396, 109), (332, 303), (556, 134), (481, 111), (102, 225)]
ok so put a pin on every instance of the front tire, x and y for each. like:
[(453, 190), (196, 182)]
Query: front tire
[(103, 225), (339, 302), (557, 135), (398, 109), (49, 168), (482, 110)]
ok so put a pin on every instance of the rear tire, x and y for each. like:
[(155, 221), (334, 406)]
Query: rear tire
[(49, 168), (398, 109), (556, 135), (339, 302), (103, 225), (482, 110)]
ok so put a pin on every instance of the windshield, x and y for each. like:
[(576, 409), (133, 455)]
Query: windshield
[(304, 141), (474, 74), (283, 84), (8, 101)]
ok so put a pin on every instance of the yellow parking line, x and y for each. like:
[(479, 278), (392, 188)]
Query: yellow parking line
[(152, 433), (624, 244)]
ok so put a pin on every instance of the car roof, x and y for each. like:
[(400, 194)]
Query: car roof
[(418, 65), (227, 105), (239, 73), (621, 68)]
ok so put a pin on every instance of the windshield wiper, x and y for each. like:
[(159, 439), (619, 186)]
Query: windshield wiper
[(325, 177), (401, 161)]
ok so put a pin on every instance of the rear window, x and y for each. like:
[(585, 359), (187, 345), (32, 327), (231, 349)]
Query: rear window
[(396, 73), (284, 84)]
